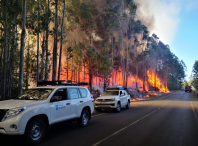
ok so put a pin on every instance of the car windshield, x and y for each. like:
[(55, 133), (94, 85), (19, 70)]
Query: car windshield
[(35, 94), (110, 93)]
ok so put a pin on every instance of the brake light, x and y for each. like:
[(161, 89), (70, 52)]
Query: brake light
[(92, 98)]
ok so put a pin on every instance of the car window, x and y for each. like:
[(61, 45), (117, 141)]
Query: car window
[(60, 95), (122, 92), (83, 92), (110, 93), (72, 93), (35, 94)]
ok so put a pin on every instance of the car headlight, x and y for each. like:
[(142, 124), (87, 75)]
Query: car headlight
[(113, 99), (13, 112)]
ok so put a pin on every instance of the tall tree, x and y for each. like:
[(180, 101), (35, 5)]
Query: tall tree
[(38, 6), (5, 50), (55, 49), (60, 54), (22, 48)]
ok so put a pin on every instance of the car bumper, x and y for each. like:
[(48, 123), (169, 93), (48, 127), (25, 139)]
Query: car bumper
[(105, 105), (6, 127)]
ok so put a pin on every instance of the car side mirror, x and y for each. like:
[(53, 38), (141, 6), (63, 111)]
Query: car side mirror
[(56, 98)]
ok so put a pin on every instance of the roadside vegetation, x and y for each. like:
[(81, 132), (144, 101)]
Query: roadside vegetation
[(80, 40)]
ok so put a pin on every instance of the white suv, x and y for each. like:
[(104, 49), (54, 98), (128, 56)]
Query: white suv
[(33, 112), (114, 97)]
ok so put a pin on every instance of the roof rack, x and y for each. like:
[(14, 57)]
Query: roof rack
[(62, 82), (116, 88)]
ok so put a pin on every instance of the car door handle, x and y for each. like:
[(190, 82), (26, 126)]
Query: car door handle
[(81, 101), (68, 103)]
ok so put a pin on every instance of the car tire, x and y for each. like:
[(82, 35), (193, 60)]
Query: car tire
[(35, 131), (128, 105), (84, 118), (118, 109)]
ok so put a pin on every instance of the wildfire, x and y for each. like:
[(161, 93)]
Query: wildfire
[(156, 82), (117, 80)]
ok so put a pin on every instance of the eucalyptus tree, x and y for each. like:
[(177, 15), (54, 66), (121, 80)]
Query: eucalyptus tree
[(195, 75), (91, 62), (22, 48), (104, 63), (55, 49), (5, 48), (60, 54), (131, 8), (39, 17), (111, 23), (73, 17)]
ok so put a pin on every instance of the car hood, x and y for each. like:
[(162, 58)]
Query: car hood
[(108, 97), (9, 104)]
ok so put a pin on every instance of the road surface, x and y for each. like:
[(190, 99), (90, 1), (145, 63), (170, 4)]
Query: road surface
[(170, 120)]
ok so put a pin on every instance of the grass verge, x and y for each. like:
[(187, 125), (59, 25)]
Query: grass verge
[(194, 94)]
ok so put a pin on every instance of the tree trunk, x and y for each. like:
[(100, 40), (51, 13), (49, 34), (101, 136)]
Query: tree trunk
[(38, 45), (127, 70), (5, 50), (143, 74), (112, 62), (42, 57), (84, 71), (1, 59), (90, 79), (60, 55), (22, 48), (137, 75), (46, 43), (54, 75), (72, 52), (67, 58)]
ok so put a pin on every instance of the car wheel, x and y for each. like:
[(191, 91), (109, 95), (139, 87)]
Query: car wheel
[(84, 119), (118, 109), (128, 105), (35, 131)]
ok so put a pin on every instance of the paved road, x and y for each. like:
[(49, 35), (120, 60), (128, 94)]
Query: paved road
[(170, 120)]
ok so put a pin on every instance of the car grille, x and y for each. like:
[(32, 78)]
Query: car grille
[(2, 113), (104, 100), (105, 104)]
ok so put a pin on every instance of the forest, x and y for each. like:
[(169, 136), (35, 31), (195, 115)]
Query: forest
[(101, 42)]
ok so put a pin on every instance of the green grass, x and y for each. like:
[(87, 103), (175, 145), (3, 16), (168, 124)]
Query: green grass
[(193, 94)]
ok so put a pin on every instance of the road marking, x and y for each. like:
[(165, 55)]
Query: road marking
[(194, 112), (123, 128), (98, 115), (126, 126)]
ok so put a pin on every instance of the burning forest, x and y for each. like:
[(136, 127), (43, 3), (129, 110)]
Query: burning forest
[(99, 42)]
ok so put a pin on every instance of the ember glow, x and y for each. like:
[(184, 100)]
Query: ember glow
[(118, 79), (154, 81)]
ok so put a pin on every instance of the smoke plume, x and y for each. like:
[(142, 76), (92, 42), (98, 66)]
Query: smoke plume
[(161, 17)]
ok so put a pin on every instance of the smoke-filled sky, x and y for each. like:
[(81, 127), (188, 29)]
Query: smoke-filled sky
[(176, 23)]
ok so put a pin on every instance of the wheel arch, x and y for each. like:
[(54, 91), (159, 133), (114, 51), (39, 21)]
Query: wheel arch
[(88, 109), (43, 117)]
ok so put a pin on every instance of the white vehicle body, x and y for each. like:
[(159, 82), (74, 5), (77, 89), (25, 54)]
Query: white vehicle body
[(53, 112), (111, 101)]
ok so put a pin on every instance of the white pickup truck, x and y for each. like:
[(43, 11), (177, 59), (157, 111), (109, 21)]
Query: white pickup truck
[(33, 112), (113, 98)]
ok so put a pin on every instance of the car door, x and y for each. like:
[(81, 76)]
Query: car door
[(125, 97), (77, 103), (122, 97), (60, 111)]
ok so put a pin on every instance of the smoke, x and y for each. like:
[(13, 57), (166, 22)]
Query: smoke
[(161, 17)]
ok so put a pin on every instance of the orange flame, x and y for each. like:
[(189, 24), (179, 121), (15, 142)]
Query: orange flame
[(156, 82)]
